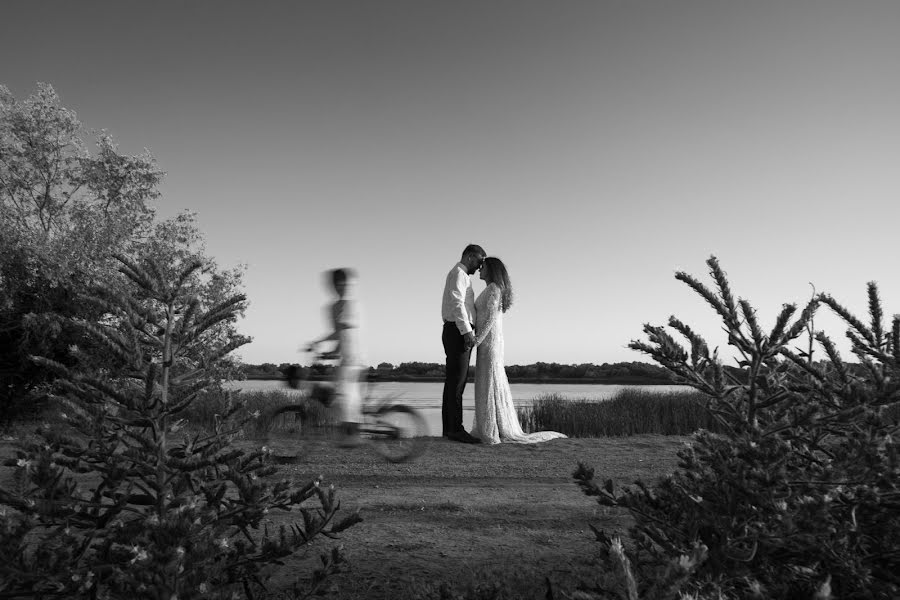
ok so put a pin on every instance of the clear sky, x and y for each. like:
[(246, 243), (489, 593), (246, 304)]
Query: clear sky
[(595, 147)]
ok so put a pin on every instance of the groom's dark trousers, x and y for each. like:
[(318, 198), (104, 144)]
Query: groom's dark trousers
[(455, 380)]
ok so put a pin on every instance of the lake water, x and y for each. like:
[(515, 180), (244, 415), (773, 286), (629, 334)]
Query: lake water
[(427, 396)]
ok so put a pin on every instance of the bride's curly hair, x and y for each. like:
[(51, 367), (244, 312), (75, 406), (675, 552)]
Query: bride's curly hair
[(496, 273)]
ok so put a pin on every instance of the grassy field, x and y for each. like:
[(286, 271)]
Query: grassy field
[(469, 516)]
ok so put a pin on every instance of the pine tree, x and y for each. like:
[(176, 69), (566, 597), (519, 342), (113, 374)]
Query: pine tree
[(123, 500), (799, 497)]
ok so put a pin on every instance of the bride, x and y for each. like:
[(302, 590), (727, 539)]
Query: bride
[(495, 416)]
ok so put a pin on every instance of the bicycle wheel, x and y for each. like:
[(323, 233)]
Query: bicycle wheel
[(397, 432)]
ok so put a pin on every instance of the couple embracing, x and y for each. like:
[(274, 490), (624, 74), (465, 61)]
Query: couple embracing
[(478, 323)]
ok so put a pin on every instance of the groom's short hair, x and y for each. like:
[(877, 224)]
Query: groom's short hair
[(474, 249)]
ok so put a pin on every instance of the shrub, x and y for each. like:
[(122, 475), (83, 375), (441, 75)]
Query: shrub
[(798, 496), (124, 501)]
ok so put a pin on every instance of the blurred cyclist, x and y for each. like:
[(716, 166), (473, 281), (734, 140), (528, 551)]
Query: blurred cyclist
[(345, 322)]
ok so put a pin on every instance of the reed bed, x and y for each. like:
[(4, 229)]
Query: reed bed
[(630, 412), (257, 405)]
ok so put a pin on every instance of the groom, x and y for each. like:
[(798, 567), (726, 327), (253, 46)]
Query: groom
[(458, 311)]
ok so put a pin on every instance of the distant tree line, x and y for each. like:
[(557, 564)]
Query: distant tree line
[(621, 372)]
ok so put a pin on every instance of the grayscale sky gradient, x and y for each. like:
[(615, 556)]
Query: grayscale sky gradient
[(596, 147)]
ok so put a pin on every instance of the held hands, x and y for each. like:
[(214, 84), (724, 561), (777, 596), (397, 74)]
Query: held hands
[(470, 340)]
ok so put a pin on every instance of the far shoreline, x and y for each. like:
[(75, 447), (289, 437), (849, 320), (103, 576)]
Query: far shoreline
[(529, 380)]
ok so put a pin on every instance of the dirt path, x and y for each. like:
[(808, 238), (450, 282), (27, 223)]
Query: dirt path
[(464, 513)]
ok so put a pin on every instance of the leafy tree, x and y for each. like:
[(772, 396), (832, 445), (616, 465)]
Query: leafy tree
[(58, 197), (800, 496), (122, 501), (64, 213)]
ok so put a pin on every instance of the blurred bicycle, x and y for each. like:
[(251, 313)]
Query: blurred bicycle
[(394, 431)]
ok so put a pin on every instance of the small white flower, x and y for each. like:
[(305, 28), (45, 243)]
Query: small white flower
[(824, 591), (255, 414), (23, 463), (224, 544), (203, 587), (179, 551), (88, 581), (139, 554)]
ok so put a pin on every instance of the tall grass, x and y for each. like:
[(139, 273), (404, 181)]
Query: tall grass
[(630, 412), (206, 410)]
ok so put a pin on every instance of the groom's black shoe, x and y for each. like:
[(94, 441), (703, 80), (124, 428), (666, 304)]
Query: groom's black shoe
[(462, 436)]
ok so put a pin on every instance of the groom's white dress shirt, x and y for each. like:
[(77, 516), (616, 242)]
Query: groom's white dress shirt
[(458, 305)]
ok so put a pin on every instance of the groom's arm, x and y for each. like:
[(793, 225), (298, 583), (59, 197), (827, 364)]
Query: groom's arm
[(457, 288)]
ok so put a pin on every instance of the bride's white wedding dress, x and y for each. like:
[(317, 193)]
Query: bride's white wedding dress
[(495, 415)]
